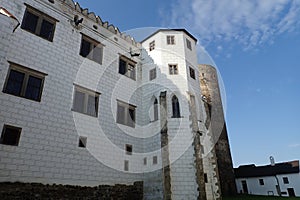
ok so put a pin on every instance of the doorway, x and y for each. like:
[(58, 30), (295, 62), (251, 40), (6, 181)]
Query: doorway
[(291, 192), (245, 187)]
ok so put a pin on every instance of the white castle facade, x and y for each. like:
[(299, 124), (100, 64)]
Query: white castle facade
[(84, 104)]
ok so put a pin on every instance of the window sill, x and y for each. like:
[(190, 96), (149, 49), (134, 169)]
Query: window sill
[(84, 113)]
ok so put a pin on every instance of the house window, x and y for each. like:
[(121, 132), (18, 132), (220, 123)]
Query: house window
[(38, 23), (170, 39), (192, 73), (91, 49), (82, 142), (175, 107), (24, 82), (285, 180), (154, 160), (10, 135), (126, 165), (173, 69), (188, 44), (128, 149), (126, 114), (152, 45), (127, 67), (85, 101), (155, 113), (152, 74), (261, 182), (145, 161)]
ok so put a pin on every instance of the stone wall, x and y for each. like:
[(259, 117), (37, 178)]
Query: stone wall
[(40, 191)]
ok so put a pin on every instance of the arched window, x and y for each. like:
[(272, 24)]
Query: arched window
[(155, 113), (175, 107)]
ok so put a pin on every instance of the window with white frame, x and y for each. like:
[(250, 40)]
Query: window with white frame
[(173, 69), (127, 67), (10, 135), (24, 82), (91, 49), (38, 23), (152, 74), (126, 114), (170, 39), (85, 101)]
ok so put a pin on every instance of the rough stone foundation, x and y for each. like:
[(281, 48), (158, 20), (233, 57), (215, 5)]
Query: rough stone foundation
[(39, 191)]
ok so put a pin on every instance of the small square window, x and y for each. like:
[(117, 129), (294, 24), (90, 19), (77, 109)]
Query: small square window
[(38, 23), (154, 160), (82, 142), (192, 73), (10, 135), (85, 101), (188, 44), (91, 49), (145, 161), (24, 82), (261, 182), (126, 165), (128, 149), (170, 39), (127, 67), (173, 69), (152, 74), (152, 45), (285, 180)]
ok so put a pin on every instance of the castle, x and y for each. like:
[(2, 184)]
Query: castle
[(84, 104)]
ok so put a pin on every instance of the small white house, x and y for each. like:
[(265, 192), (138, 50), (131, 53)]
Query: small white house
[(281, 179)]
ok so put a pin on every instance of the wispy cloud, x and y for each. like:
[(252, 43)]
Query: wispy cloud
[(249, 22), (294, 145)]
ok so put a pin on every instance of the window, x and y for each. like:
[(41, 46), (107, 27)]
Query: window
[(170, 39), (261, 182), (91, 49), (126, 165), (24, 82), (10, 135), (152, 74), (145, 161), (82, 142), (128, 149), (126, 114), (155, 113), (38, 23), (152, 45), (205, 178), (85, 101), (192, 73), (173, 69), (188, 44), (285, 180), (154, 160), (127, 67), (175, 107)]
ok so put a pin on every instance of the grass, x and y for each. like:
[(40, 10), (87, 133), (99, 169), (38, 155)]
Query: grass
[(254, 197)]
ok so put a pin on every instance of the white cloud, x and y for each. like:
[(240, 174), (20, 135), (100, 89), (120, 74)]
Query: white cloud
[(249, 22)]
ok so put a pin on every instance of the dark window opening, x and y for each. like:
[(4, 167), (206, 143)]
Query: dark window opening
[(261, 182), (175, 107), (128, 149), (205, 178), (189, 44), (152, 74), (173, 69), (38, 23), (82, 142), (285, 180), (126, 114), (152, 45), (91, 49), (24, 82), (127, 67), (170, 39), (154, 160), (10, 135), (126, 165), (155, 110), (192, 73)]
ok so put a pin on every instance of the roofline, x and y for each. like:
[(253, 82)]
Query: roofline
[(162, 30)]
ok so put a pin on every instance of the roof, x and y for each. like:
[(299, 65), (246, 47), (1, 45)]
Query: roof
[(162, 30), (245, 171)]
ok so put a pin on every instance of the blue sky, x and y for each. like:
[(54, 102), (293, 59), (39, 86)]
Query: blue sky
[(256, 47)]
